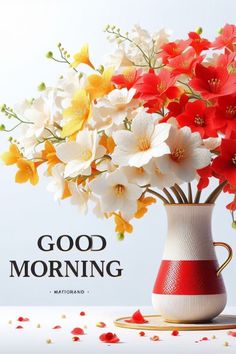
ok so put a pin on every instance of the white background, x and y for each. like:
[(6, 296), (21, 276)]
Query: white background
[(28, 29)]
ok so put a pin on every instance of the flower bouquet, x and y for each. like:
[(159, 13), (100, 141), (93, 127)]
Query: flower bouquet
[(157, 122)]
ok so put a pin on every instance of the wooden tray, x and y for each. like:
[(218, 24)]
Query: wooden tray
[(156, 322)]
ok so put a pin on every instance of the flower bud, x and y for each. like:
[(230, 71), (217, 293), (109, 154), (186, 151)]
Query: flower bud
[(2, 127), (49, 55), (42, 86), (234, 225), (199, 30), (120, 236)]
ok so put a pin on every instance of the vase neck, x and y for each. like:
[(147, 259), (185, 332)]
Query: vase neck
[(189, 234)]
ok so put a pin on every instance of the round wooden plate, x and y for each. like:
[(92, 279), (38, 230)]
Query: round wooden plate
[(156, 322)]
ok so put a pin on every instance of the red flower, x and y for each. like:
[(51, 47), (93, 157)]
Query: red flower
[(127, 79), (225, 164), (225, 115), (156, 88), (199, 44), (232, 206), (185, 63), (172, 49), (137, 318), (199, 118), (109, 338), (205, 174), (227, 38), (176, 108), (213, 82), (77, 331)]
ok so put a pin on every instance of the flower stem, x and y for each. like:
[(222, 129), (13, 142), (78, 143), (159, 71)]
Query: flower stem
[(169, 196), (176, 193), (197, 197), (181, 192), (158, 195), (216, 192), (190, 193)]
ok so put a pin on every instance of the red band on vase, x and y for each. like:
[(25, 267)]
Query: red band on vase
[(197, 277)]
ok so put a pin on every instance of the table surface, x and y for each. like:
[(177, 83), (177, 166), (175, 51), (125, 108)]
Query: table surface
[(33, 340)]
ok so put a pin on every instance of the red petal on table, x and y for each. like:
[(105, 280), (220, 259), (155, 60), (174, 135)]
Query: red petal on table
[(204, 338), (82, 313), (56, 327), (175, 333), (19, 327), (75, 339), (142, 334), (23, 319), (109, 338), (77, 331), (137, 318), (101, 324), (232, 333), (155, 338)]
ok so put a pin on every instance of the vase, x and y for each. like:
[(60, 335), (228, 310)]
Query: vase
[(189, 287)]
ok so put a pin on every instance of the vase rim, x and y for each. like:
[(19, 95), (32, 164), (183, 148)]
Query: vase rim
[(189, 204)]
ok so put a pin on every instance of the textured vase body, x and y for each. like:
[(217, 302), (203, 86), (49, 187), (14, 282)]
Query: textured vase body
[(187, 287)]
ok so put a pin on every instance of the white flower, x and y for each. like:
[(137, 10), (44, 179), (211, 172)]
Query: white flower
[(157, 178), (118, 59), (187, 154), (137, 175), (212, 143), (79, 197), (116, 193), (57, 185), (78, 155), (146, 140), (116, 105)]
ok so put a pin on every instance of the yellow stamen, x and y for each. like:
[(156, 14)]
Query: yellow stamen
[(177, 154)]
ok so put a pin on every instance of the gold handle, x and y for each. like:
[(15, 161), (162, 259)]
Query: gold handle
[(230, 255)]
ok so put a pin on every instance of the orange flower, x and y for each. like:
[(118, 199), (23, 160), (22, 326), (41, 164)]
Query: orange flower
[(49, 154), (82, 57), (143, 202), (108, 143), (122, 225), (27, 172), (67, 192), (12, 156), (100, 85)]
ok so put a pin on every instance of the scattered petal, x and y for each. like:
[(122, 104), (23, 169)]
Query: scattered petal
[(77, 331), (213, 337), (19, 327), (38, 325), (10, 322), (232, 333), (137, 318), (75, 339), (226, 344), (155, 338), (82, 313), (57, 327), (109, 338), (63, 316), (175, 333), (142, 334), (204, 338), (49, 341), (23, 319), (101, 324)]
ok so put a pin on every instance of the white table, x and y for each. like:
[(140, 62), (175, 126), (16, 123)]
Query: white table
[(33, 340)]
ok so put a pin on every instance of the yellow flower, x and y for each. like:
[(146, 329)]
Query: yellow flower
[(77, 114), (27, 172), (12, 156), (100, 85), (49, 155), (67, 192), (143, 202), (122, 225), (82, 57)]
